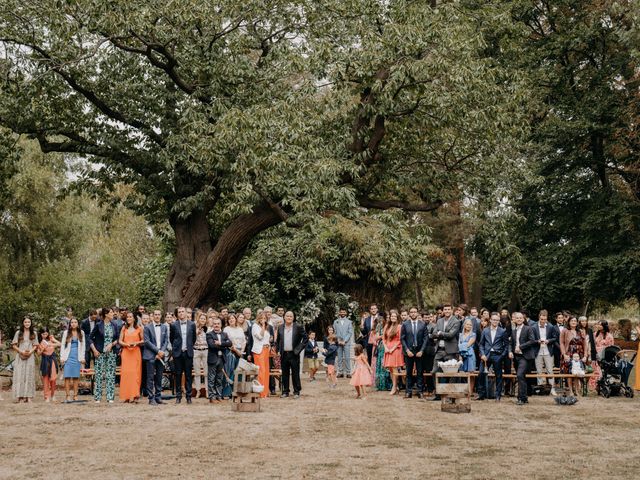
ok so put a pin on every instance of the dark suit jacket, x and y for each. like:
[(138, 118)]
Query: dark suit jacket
[(406, 337), (96, 338), (367, 329), (225, 343), (431, 346), (552, 338), (85, 326), (449, 335), (176, 339), (299, 339), (150, 349), (500, 345), (527, 342)]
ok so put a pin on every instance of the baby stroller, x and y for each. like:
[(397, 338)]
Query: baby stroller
[(616, 365)]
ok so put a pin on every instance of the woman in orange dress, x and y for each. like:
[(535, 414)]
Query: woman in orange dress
[(260, 351), (393, 357), (131, 369)]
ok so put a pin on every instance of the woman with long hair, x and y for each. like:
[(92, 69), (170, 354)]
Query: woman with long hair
[(234, 354), (25, 343), (393, 357), (131, 337), (583, 326), (200, 352), (48, 363), (382, 377), (103, 341), (261, 349), (572, 341), (72, 357), (466, 342), (602, 340)]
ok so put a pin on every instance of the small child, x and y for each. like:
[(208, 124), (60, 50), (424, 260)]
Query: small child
[(577, 367), (311, 354), (49, 363), (362, 377), (330, 353)]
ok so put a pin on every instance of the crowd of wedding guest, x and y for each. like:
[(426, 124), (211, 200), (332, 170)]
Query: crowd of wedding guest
[(139, 350)]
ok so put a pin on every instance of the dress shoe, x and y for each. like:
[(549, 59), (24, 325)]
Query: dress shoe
[(272, 392), (284, 395), (407, 395), (419, 395), (340, 375), (178, 400), (154, 403), (520, 402), (349, 375), (296, 395), (189, 400), (498, 400)]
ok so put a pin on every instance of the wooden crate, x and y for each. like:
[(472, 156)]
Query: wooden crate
[(243, 381), (245, 402), (456, 397)]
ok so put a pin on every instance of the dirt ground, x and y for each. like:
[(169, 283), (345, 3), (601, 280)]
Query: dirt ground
[(324, 434)]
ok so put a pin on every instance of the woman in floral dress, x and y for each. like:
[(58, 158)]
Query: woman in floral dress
[(25, 343)]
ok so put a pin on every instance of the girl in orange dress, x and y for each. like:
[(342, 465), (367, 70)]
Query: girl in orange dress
[(131, 368), (393, 357), (49, 363), (362, 375), (260, 351)]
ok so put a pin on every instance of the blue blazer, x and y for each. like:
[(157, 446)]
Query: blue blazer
[(176, 339), (150, 349), (552, 338), (500, 345), (331, 351), (422, 336), (97, 336)]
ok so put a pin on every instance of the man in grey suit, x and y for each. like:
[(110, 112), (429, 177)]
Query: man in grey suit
[(156, 340), (445, 336), (343, 329)]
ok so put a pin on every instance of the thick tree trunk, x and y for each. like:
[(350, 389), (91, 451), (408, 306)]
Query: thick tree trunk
[(204, 288), (193, 245)]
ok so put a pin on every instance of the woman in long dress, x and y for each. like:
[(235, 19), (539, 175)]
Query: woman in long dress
[(131, 369), (25, 343), (382, 378), (393, 357), (260, 351)]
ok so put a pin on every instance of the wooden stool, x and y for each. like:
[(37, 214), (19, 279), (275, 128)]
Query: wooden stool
[(456, 397)]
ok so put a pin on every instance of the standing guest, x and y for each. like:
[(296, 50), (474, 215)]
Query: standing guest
[(546, 337), (330, 352), (445, 336), (505, 322), (260, 351), (494, 345), (72, 357), (145, 320), (414, 338), (466, 344), (224, 315), (211, 316), (235, 353), (636, 386), (218, 343), (131, 337), (311, 356), (367, 327), (572, 341), (48, 363), (382, 378), (583, 326), (344, 332), (201, 354), (393, 357), (429, 354), (274, 356), (602, 340), (522, 351), (64, 321), (156, 344), (292, 340), (183, 337), (189, 312), (242, 323), (87, 327), (140, 310), (24, 343), (485, 317), (104, 339), (362, 376)]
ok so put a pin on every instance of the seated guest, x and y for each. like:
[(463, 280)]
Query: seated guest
[(522, 351), (547, 341), (155, 353), (218, 342), (494, 346)]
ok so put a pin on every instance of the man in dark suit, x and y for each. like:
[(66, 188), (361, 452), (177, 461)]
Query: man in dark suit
[(547, 340), (154, 354), (183, 336), (292, 340), (367, 326), (414, 338), (445, 336), (494, 346), (430, 352), (522, 351), (87, 327), (218, 343)]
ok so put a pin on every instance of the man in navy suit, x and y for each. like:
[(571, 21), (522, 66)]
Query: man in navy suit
[(154, 354), (522, 351), (87, 327), (367, 326), (414, 338), (494, 346), (218, 343), (183, 336), (546, 337)]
